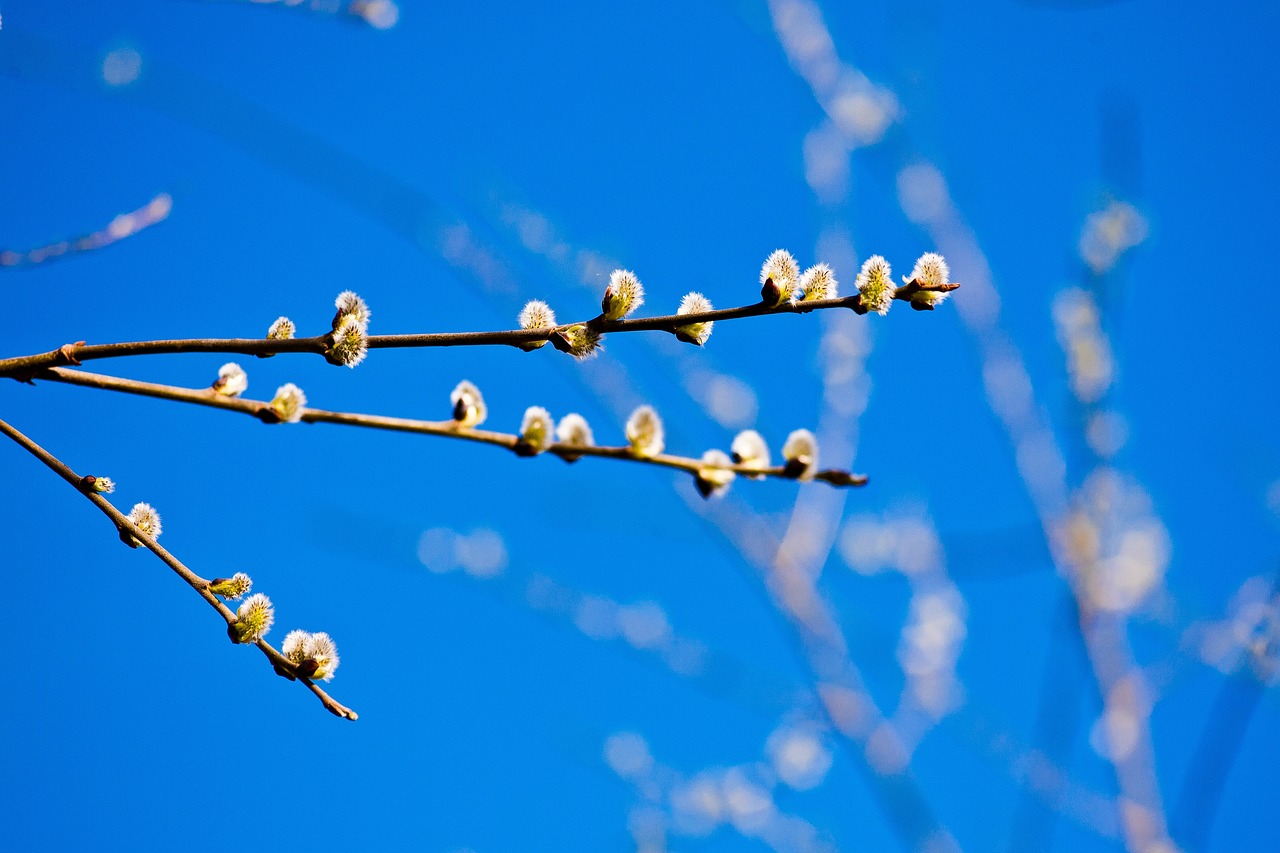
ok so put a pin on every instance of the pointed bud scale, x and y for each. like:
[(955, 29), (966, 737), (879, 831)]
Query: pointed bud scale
[(289, 403), (624, 294), (713, 477), (253, 619), (232, 380), (350, 305), (875, 284), (468, 405), (818, 282), (536, 431), (644, 432), (231, 588), (536, 314), (801, 453), (281, 330), (750, 450), (778, 278), (694, 333), (573, 431), (350, 343)]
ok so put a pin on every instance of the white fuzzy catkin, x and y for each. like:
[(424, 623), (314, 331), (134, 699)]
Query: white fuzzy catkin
[(644, 432), (695, 303)]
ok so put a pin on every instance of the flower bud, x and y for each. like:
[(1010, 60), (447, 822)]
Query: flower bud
[(801, 453), (535, 431), (253, 619), (314, 656), (818, 282), (101, 485), (875, 284), (232, 380), (289, 403), (930, 271), (694, 333), (351, 305), (624, 294), (573, 431), (350, 343), (750, 450), (713, 477), (778, 278), (145, 517), (231, 588), (281, 330), (644, 432), (536, 314), (580, 341), (468, 405)]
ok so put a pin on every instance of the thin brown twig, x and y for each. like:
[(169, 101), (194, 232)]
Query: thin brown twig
[(127, 528), (24, 367), (448, 429)]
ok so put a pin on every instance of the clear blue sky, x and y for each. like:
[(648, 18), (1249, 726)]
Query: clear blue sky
[(465, 160)]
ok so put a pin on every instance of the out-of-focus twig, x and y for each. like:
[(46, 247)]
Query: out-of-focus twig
[(124, 225)]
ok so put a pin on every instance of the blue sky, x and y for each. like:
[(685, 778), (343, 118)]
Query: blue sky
[(548, 657)]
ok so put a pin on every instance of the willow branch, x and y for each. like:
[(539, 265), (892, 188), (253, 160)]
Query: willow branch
[(128, 529), (24, 367), (447, 429)]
